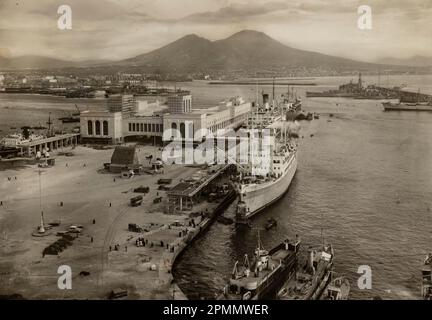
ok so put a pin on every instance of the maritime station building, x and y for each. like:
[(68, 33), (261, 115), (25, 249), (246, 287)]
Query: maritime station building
[(126, 119)]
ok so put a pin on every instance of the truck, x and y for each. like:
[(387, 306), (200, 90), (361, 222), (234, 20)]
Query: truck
[(136, 201)]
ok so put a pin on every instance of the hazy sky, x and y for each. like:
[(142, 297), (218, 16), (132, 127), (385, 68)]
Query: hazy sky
[(117, 29)]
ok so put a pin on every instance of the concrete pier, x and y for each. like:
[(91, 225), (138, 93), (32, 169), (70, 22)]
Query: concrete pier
[(105, 248), (51, 143)]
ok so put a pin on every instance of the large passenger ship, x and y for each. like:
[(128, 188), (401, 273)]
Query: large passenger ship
[(269, 173)]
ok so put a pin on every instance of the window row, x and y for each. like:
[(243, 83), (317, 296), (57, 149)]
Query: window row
[(145, 127), (96, 128)]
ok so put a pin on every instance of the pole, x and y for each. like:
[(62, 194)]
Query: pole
[(42, 228), (273, 92)]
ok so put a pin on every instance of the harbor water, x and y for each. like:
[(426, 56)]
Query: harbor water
[(364, 182)]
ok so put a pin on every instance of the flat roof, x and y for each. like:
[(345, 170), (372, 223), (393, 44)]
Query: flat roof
[(48, 140), (189, 189)]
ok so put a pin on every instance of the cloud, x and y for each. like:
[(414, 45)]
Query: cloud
[(236, 12), (116, 29)]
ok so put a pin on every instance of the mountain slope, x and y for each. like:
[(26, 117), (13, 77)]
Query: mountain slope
[(24, 62), (187, 52), (39, 62), (244, 50)]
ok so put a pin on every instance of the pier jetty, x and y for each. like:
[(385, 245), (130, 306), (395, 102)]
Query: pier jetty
[(50, 143), (115, 244)]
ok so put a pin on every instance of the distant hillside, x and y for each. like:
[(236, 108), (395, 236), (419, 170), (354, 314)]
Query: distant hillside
[(244, 50), (416, 61), (39, 62)]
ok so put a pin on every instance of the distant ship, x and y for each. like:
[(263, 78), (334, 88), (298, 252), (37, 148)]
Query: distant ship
[(263, 276), (74, 117), (291, 105), (356, 91), (70, 119), (8, 152), (349, 90), (427, 278), (417, 106), (313, 274)]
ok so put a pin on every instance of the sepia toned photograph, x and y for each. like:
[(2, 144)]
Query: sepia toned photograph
[(215, 150)]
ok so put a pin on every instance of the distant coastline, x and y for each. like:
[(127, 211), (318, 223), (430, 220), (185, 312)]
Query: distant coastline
[(262, 83)]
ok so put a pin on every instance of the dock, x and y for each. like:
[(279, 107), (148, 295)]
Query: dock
[(49, 143), (106, 248), (184, 193)]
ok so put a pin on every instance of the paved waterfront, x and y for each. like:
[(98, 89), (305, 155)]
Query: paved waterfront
[(86, 194)]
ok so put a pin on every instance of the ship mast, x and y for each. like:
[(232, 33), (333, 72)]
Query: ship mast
[(256, 101), (259, 241), (42, 227), (49, 123), (273, 92)]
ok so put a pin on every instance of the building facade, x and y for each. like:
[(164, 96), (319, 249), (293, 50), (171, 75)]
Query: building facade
[(124, 103), (116, 125)]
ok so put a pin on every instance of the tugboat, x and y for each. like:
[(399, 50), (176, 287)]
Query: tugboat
[(427, 278), (271, 223), (262, 278), (338, 289), (312, 276), (74, 117)]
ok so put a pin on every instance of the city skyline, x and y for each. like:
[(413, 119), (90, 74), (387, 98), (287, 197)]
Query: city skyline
[(115, 30)]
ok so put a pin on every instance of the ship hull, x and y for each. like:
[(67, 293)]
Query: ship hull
[(258, 197), (267, 287), (406, 107)]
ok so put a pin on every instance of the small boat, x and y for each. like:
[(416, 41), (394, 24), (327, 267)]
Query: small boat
[(426, 271), (263, 276), (316, 116), (271, 223), (70, 119), (312, 276), (338, 289), (224, 220)]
